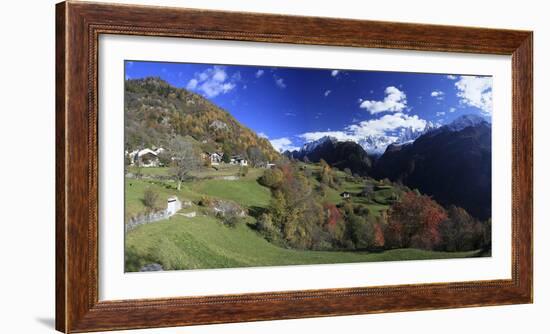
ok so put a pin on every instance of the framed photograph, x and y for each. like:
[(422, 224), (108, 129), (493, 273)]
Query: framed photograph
[(223, 167)]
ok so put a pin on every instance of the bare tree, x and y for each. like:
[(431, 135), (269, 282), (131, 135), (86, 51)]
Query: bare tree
[(255, 155), (185, 159)]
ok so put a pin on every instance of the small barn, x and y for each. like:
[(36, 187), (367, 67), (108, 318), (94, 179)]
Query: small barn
[(238, 160), (345, 195), (173, 205)]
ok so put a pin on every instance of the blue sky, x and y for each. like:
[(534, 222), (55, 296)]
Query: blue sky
[(291, 106)]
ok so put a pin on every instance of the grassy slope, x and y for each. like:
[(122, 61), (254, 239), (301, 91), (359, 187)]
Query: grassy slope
[(134, 190), (203, 242), (245, 191)]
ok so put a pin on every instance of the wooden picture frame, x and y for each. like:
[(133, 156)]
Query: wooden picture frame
[(78, 26)]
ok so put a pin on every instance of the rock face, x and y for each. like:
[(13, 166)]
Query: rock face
[(451, 163), (191, 214), (226, 208), (218, 125), (151, 267)]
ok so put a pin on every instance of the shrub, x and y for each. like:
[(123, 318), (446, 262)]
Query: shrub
[(266, 226), (150, 199), (205, 201), (272, 178)]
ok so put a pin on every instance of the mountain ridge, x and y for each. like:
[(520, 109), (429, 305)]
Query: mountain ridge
[(156, 111), (339, 154), (452, 164)]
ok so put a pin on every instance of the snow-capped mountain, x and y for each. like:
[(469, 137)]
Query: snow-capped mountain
[(376, 145), (312, 145), (465, 121)]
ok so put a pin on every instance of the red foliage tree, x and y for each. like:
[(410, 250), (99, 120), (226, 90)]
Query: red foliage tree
[(333, 214), (288, 172), (379, 240), (414, 222)]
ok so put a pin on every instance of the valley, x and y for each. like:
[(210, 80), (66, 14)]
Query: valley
[(202, 190)]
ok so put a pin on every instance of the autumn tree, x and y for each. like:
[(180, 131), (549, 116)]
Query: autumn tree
[(327, 175), (414, 222), (462, 232), (378, 240), (272, 178), (335, 225), (294, 207)]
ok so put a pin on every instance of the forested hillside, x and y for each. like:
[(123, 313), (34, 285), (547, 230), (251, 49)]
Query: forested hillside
[(155, 111)]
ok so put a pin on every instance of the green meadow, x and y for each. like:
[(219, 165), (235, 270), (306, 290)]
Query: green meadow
[(203, 241)]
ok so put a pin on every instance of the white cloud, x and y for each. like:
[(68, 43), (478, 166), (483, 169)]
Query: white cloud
[(192, 84), (476, 92), (394, 101), (259, 73), (334, 73), (213, 82), (452, 77), (452, 109), (328, 91), (262, 135), (280, 82), (290, 114), (382, 126), (387, 123), (439, 113), (439, 95), (283, 144)]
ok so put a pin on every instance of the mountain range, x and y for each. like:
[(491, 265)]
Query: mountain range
[(376, 145), (451, 163)]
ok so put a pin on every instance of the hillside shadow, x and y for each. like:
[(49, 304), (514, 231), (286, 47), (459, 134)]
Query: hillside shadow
[(255, 212)]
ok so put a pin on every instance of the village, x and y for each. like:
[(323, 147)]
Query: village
[(150, 157)]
